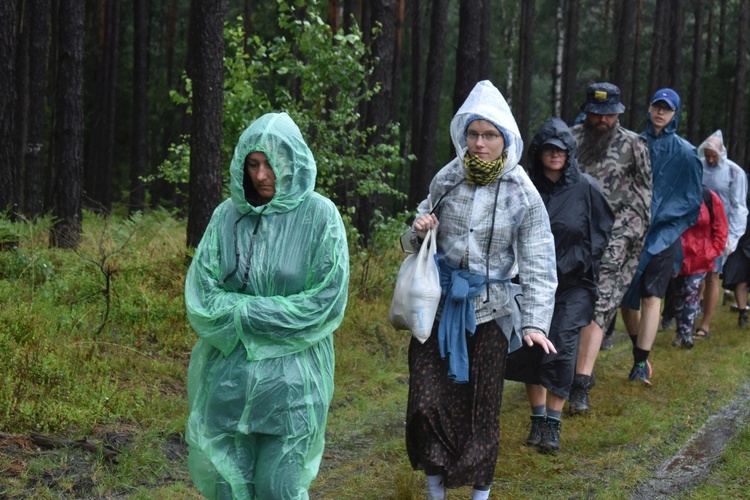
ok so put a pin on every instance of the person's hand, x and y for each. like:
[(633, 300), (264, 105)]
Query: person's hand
[(540, 339), (424, 223)]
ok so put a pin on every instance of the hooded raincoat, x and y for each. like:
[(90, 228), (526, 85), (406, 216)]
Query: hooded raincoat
[(674, 205), (491, 233), (581, 222), (265, 291), (728, 180)]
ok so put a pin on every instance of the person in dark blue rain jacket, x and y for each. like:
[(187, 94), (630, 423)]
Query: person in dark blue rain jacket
[(675, 204)]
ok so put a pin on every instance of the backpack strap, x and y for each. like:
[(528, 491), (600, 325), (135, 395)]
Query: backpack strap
[(709, 201)]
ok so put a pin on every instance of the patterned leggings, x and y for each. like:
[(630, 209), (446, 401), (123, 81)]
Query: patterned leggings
[(686, 305)]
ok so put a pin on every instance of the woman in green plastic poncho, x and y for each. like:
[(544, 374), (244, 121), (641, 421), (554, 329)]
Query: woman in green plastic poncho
[(265, 291)]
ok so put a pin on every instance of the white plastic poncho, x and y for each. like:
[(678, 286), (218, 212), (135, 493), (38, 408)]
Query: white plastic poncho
[(729, 181), (265, 291)]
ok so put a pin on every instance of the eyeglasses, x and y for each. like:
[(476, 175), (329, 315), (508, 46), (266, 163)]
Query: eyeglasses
[(661, 108), (473, 136)]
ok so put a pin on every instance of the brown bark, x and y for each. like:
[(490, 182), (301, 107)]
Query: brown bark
[(525, 69), (623, 64), (695, 81), (417, 22), (569, 107), (99, 167), (467, 51), (139, 150), (68, 125), (673, 65), (426, 162), (637, 108), (8, 155), (206, 70), (658, 48), (736, 144), (380, 108), (35, 152), (21, 70)]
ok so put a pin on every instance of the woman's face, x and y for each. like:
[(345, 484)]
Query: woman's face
[(261, 174), (484, 140), (553, 158)]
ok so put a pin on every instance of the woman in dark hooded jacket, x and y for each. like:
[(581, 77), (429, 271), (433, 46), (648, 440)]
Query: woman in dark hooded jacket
[(581, 222)]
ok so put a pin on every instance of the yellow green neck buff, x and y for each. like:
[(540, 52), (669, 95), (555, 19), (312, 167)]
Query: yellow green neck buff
[(482, 172)]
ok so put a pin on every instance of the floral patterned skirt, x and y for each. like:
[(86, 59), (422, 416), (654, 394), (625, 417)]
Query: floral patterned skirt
[(455, 428)]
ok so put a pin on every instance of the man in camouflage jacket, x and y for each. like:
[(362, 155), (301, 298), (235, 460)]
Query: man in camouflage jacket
[(618, 159)]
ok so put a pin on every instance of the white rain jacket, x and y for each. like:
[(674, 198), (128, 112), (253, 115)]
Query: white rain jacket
[(728, 180), (521, 241), (265, 291)]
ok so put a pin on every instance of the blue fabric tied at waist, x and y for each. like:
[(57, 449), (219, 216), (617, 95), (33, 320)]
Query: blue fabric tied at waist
[(459, 288)]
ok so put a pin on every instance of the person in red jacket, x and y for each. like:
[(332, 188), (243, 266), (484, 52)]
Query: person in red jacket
[(701, 244)]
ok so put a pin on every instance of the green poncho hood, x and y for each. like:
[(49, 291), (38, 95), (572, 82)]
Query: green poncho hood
[(279, 138)]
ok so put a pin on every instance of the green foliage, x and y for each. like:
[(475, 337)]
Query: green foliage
[(320, 78)]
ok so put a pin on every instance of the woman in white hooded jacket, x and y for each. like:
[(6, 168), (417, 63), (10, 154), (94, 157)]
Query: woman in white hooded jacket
[(491, 227)]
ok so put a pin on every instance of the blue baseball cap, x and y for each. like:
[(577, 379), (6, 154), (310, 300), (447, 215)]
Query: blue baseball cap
[(667, 95)]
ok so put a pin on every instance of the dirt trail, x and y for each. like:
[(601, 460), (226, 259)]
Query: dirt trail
[(695, 460)]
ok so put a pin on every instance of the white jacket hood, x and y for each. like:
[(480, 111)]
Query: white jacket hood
[(485, 102)]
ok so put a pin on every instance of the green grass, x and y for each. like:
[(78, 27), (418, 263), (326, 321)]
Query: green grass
[(121, 383)]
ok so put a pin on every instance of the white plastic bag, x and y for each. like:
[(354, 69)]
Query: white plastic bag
[(417, 293)]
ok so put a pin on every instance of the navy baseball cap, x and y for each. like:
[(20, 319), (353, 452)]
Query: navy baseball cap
[(667, 95)]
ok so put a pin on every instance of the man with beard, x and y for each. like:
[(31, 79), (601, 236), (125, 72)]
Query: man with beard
[(618, 160)]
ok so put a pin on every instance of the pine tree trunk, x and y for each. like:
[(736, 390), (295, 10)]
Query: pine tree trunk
[(695, 81), (379, 109), (139, 154), (559, 51), (569, 109), (427, 160), (38, 60), (623, 63), (736, 145), (8, 158), (98, 168), (525, 69), (206, 69), (467, 52), (68, 125), (637, 107), (21, 70), (417, 85), (676, 30)]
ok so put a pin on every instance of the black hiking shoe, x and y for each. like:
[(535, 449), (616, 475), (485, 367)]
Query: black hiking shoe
[(641, 372), (579, 393), (742, 321), (606, 343), (550, 436), (536, 428)]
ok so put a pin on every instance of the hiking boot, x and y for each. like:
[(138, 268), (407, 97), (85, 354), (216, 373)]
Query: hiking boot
[(666, 323), (641, 372), (536, 428), (579, 393), (727, 298), (742, 321), (606, 343), (687, 341), (550, 436), (677, 340)]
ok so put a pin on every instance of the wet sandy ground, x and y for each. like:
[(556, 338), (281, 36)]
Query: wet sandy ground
[(700, 453)]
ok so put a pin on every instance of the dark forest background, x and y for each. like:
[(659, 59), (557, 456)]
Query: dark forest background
[(121, 106)]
